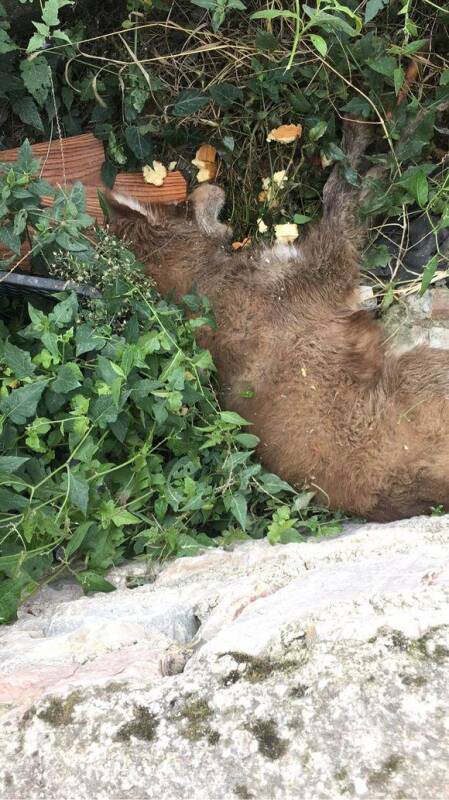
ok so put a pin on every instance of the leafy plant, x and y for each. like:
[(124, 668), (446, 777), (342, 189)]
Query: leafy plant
[(23, 218), (112, 442)]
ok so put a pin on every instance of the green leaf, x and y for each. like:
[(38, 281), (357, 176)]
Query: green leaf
[(123, 517), (233, 418), (271, 14), (420, 188), (50, 11), (10, 239), (36, 75), (69, 377), (18, 361), (22, 403), (399, 77), (141, 146), (266, 41), (77, 538), (385, 65), (64, 312), (87, 339), (209, 4), (373, 7), (319, 43), (428, 273), (91, 582), (188, 102), (273, 484), (247, 440), (6, 43), (225, 94), (12, 463), (37, 42), (26, 110), (238, 508), (318, 130), (301, 219), (12, 592), (78, 492)]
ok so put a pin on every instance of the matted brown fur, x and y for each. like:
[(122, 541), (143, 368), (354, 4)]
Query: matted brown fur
[(368, 432)]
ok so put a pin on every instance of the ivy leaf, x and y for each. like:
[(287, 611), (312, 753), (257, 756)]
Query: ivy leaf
[(78, 492), (26, 110), (188, 102), (21, 404), (36, 75), (18, 361)]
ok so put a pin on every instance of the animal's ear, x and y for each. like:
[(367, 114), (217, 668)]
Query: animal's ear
[(122, 206), (207, 201)]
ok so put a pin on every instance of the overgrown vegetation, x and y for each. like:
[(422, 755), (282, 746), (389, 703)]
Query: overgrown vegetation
[(112, 441)]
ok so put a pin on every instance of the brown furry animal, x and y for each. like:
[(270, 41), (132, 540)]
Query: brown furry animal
[(367, 431)]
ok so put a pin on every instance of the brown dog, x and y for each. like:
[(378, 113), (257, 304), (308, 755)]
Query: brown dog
[(367, 431)]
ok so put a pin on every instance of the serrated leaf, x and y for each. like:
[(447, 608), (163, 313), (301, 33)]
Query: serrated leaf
[(69, 377), (18, 360), (26, 109), (36, 75), (266, 41), (21, 404)]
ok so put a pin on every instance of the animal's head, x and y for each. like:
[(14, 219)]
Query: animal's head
[(177, 243), (200, 212)]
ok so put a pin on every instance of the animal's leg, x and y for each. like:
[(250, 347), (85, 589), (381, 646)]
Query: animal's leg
[(331, 250), (207, 202)]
